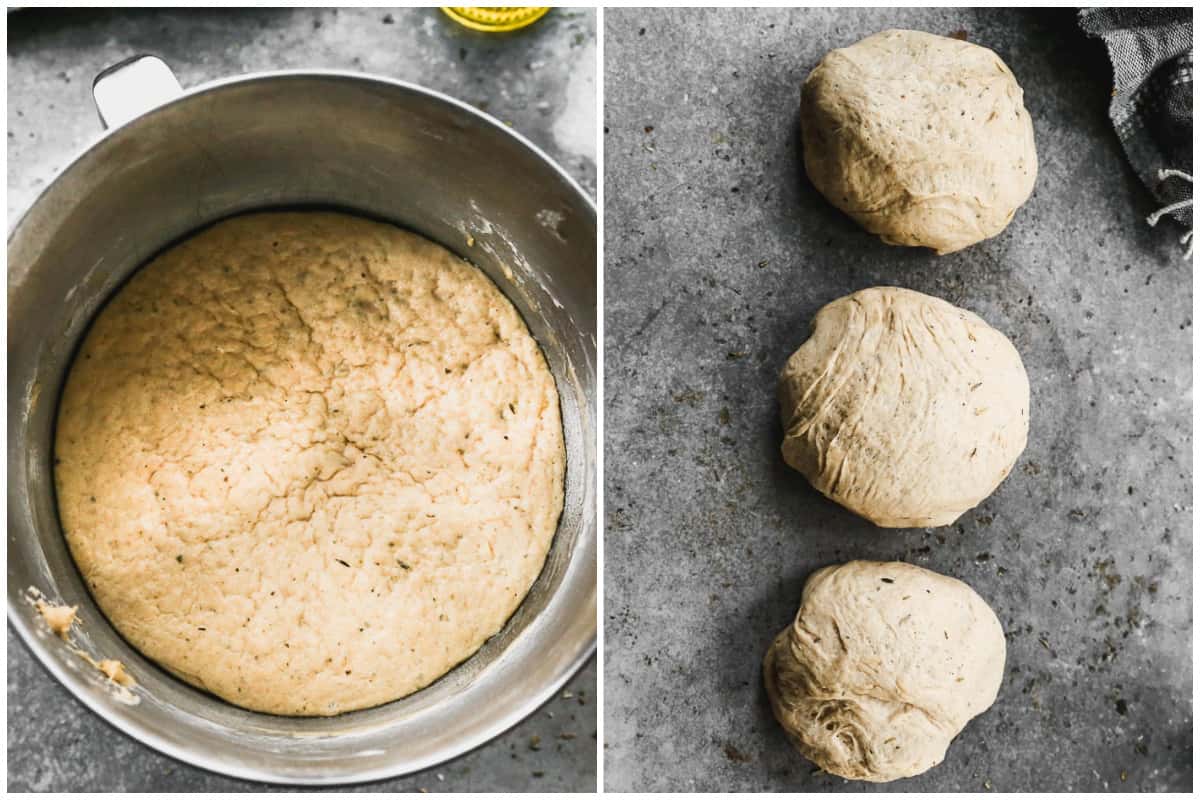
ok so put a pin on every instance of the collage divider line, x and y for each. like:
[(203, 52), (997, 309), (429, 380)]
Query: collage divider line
[(599, 133)]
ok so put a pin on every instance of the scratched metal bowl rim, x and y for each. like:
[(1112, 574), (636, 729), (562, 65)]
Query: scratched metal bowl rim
[(520, 218)]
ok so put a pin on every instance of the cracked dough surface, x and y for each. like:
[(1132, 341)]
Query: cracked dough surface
[(309, 462), (904, 408), (883, 666)]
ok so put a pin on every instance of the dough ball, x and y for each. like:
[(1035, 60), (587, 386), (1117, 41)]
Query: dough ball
[(309, 462), (922, 139), (883, 666), (903, 408)]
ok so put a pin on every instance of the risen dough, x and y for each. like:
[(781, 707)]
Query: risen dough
[(922, 139), (883, 666), (903, 408), (309, 462)]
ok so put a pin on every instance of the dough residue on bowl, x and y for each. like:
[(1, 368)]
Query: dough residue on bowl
[(59, 619), (309, 462)]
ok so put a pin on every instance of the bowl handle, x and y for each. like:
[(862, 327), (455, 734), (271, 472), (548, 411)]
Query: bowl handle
[(132, 87)]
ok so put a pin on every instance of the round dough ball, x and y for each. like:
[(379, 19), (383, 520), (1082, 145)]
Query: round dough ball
[(309, 462), (903, 408), (883, 666), (922, 139)]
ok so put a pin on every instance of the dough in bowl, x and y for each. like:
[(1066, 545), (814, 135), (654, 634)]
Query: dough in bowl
[(309, 462), (883, 666), (922, 139), (903, 408)]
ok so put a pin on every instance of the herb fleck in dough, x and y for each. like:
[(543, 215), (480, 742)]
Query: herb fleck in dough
[(883, 666), (903, 408), (309, 462), (924, 140)]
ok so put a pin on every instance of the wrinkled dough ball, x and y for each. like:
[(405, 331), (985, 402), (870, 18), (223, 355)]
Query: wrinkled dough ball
[(903, 408), (883, 666), (922, 139)]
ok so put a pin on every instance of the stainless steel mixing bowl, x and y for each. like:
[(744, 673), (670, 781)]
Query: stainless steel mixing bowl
[(174, 161)]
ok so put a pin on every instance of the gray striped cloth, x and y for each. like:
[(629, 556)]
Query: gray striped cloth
[(1151, 110)]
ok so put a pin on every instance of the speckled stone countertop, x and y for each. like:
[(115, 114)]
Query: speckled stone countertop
[(542, 81), (718, 254)]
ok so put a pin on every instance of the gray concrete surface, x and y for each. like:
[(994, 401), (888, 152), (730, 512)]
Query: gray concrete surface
[(718, 254), (542, 81)]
